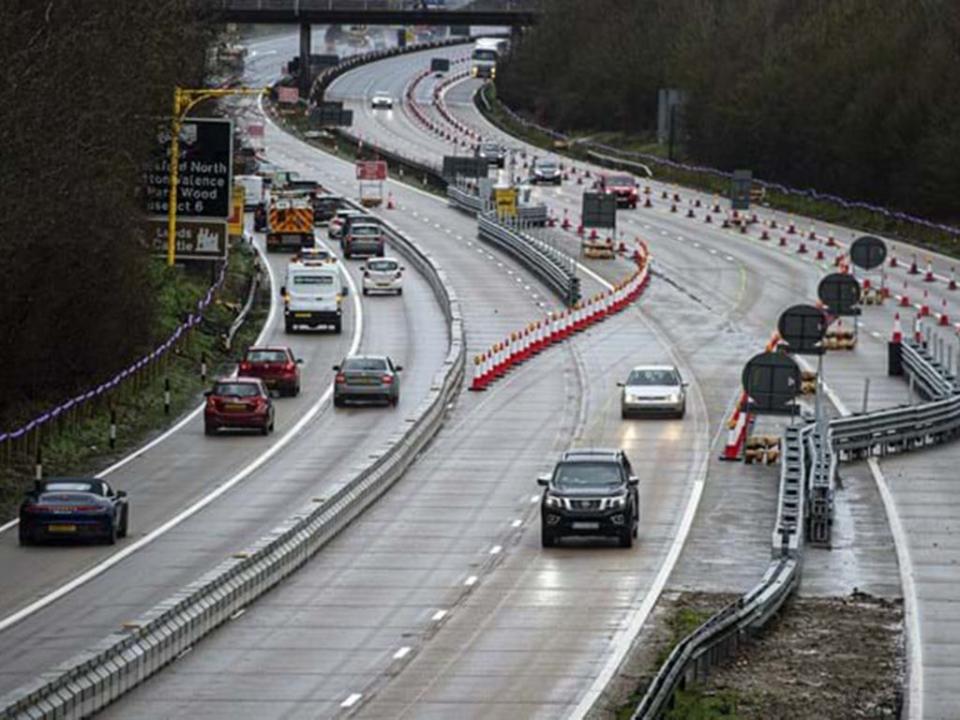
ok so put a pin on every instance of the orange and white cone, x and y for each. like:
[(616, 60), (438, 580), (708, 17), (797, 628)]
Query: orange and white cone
[(897, 336)]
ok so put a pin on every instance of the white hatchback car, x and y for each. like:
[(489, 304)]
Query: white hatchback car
[(382, 275), (654, 390)]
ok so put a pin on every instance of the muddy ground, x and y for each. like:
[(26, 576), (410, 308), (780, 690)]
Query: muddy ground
[(820, 659)]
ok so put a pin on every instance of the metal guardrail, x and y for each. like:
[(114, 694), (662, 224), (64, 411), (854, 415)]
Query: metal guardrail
[(123, 660), (470, 202), (241, 317), (808, 472), (556, 269)]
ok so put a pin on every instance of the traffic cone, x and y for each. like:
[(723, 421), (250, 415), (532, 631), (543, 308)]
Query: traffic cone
[(646, 190), (773, 224), (764, 235), (918, 330), (893, 259), (697, 203), (647, 203), (593, 234), (802, 250), (791, 228), (726, 223), (953, 279), (566, 221), (783, 241), (676, 197), (905, 298), (390, 205), (944, 318), (819, 255), (929, 276), (914, 270), (813, 234), (830, 241), (896, 336), (580, 229), (478, 383), (743, 228), (673, 207), (690, 213), (925, 305), (663, 195)]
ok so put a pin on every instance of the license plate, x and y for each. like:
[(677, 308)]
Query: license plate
[(585, 525), (301, 315), (61, 528), (235, 407), (384, 284), (364, 381)]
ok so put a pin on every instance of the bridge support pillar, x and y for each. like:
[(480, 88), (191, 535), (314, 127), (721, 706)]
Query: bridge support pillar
[(306, 78)]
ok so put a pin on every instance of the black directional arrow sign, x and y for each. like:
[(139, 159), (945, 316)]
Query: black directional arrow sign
[(772, 380)]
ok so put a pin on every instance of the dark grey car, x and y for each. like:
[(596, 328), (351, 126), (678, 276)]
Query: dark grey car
[(367, 378)]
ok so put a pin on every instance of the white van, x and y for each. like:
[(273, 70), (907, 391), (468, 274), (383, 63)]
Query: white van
[(252, 188), (312, 296)]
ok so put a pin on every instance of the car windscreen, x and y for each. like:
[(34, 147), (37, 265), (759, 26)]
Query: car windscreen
[(381, 265), (620, 181), (302, 281), (374, 364), (587, 475), (546, 166), (365, 230), (485, 55), (653, 377), (233, 389), (266, 356)]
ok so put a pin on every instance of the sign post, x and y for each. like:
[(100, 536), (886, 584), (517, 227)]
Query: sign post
[(183, 101)]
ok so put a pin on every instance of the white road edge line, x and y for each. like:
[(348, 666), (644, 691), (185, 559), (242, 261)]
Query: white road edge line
[(238, 477), (905, 564), (623, 639), (351, 700), (193, 413)]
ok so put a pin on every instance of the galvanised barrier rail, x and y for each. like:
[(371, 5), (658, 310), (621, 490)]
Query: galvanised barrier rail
[(556, 269), (123, 660), (27, 437), (926, 372), (809, 465)]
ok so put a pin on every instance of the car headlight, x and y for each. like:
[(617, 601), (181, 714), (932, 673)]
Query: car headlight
[(673, 397), (618, 501), (553, 501)]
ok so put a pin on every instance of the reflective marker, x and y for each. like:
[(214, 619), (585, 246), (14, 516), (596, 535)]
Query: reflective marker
[(439, 615), (352, 700), (471, 581), (401, 653)]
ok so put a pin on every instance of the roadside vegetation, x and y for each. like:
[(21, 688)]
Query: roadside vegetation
[(80, 443), (847, 97), (83, 85)]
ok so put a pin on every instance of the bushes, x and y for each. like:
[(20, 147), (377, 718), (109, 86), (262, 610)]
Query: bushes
[(848, 96), (83, 84)]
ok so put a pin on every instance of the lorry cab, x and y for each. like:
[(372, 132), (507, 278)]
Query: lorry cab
[(483, 59), (312, 296)]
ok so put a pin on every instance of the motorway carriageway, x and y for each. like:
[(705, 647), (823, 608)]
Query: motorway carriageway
[(322, 449), (918, 492), (454, 547)]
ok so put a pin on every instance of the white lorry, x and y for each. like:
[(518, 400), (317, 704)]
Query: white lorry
[(483, 60), (312, 296), (253, 190)]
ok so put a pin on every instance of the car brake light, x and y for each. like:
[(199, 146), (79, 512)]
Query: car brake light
[(341, 378), (290, 367), (86, 508), (244, 367), (387, 379)]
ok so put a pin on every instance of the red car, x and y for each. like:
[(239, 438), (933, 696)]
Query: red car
[(238, 403), (276, 366), (621, 185)]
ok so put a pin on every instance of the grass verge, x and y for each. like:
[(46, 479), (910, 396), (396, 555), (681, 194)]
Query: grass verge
[(80, 444), (865, 221)]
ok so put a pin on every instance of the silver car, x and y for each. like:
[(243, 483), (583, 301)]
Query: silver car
[(367, 378), (654, 390)]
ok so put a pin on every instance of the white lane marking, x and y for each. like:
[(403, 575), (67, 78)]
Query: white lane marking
[(516, 523), (351, 700), (534, 498), (401, 653), (624, 638), (439, 615), (496, 549), (470, 581), (728, 258), (188, 512), (197, 410)]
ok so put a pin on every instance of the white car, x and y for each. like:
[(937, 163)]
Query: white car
[(381, 101), (318, 255), (382, 275), (655, 390)]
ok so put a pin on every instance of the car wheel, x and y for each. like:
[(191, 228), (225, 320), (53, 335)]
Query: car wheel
[(209, 429), (399, 291), (338, 327), (125, 523), (547, 538), (296, 390), (338, 402), (23, 535), (288, 326), (626, 538), (380, 252), (113, 534), (624, 415), (366, 292), (394, 401)]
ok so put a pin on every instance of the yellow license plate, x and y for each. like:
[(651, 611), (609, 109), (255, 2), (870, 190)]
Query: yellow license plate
[(61, 528), (301, 315), (235, 406)]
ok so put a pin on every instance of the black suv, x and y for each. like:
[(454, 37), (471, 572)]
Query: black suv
[(591, 492)]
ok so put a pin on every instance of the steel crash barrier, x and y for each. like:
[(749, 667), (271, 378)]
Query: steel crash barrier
[(554, 268), (807, 479), (468, 200), (92, 680)]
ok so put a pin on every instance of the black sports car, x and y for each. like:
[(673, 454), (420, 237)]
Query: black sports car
[(73, 508)]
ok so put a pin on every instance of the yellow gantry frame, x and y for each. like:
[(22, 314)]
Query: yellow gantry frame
[(183, 101)]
